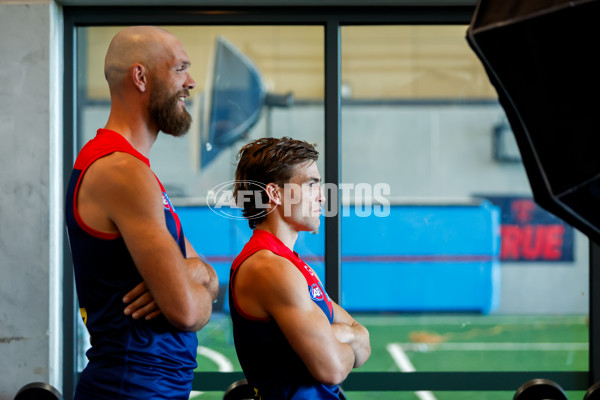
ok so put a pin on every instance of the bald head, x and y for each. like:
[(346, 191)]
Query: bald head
[(136, 44)]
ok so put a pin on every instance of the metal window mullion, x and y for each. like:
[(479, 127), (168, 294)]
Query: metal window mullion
[(332, 157), (418, 381), (69, 334), (594, 313)]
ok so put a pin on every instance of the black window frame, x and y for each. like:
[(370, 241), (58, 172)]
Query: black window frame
[(332, 18)]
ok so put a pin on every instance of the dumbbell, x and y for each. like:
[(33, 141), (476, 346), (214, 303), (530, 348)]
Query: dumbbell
[(593, 393), (540, 389), (38, 391)]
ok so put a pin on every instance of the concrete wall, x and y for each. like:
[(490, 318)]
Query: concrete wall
[(29, 218)]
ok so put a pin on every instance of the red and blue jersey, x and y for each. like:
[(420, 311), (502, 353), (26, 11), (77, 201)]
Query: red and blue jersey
[(128, 358), (269, 362)]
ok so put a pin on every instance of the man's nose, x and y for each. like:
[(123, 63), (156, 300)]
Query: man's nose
[(190, 83), (321, 195)]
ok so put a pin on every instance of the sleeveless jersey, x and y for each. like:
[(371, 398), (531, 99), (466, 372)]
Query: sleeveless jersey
[(129, 359), (269, 362)]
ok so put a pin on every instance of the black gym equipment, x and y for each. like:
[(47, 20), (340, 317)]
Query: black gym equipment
[(38, 391), (593, 393), (540, 389), (540, 55), (239, 390)]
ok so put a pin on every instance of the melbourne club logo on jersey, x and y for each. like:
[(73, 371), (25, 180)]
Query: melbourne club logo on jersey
[(167, 202), (316, 293)]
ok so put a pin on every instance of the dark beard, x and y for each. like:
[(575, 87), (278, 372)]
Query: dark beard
[(165, 111)]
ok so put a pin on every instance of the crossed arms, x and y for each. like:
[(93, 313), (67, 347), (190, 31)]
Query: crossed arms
[(120, 194), (267, 285)]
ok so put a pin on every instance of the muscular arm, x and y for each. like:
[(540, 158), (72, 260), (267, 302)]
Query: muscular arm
[(205, 274), (347, 330), (120, 193), (269, 285), (141, 304)]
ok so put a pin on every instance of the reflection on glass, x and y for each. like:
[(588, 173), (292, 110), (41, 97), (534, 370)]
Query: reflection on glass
[(234, 103), (464, 272)]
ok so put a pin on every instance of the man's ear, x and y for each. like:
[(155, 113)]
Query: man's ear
[(274, 193), (139, 77)]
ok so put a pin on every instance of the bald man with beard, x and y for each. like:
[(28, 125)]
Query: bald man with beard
[(143, 291)]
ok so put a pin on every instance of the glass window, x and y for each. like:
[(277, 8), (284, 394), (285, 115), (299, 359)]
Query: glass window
[(252, 81), (445, 256), (446, 259)]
